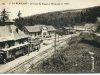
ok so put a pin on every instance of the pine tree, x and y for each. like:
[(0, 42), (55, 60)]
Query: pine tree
[(19, 21), (4, 15), (19, 14)]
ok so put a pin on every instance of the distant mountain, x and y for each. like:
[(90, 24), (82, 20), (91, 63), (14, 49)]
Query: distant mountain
[(61, 18)]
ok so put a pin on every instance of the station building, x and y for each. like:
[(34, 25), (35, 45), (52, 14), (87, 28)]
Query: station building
[(11, 36), (39, 31)]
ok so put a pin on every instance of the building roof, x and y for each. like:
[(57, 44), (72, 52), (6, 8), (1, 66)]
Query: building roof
[(50, 28), (80, 29), (98, 18), (97, 34), (17, 33), (9, 20), (89, 25), (38, 28), (72, 30), (4, 34), (78, 26), (32, 28), (10, 32), (68, 27)]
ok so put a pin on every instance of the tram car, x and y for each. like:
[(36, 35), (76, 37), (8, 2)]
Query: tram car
[(21, 49), (34, 44), (12, 52)]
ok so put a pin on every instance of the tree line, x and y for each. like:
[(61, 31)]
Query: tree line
[(60, 18)]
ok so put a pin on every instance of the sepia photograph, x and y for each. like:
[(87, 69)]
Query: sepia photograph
[(49, 36)]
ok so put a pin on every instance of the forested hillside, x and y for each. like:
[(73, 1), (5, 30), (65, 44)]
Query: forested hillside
[(61, 18)]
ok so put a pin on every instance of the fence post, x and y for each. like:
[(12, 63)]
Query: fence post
[(92, 61)]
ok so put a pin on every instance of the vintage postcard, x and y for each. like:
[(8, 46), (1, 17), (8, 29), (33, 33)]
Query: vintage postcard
[(49, 36)]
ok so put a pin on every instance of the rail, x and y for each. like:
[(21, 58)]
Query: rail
[(50, 54)]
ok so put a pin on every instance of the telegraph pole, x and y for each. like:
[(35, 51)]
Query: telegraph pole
[(71, 31), (55, 44), (29, 45), (58, 32), (58, 37)]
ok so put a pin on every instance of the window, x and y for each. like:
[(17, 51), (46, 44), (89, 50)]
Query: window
[(44, 33), (6, 45), (9, 52), (2, 45), (11, 43), (44, 36), (35, 34), (16, 42), (38, 33), (44, 29), (49, 33), (21, 41)]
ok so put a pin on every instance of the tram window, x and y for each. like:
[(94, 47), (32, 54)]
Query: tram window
[(20, 41), (23, 41), (11, 44)]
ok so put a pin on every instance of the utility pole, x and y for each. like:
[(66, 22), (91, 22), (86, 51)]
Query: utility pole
[(71, 31), (55, 43), (58, 33), (29, 40), (58, 37)]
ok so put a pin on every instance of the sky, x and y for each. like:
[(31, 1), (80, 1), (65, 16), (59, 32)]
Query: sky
[(32, 7)]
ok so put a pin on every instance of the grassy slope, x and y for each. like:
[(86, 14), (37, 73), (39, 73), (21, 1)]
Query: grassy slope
[(73, 59)]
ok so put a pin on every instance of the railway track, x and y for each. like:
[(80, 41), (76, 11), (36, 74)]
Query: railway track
[(42, 54), (57, 40), (50, 53)]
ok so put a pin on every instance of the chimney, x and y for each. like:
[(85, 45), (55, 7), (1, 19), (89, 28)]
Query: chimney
[(17, 30)]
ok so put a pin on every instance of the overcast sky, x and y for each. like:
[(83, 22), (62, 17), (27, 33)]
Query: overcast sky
[(42, 6)]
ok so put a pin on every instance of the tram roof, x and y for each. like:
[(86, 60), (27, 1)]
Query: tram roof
[(14, 47)]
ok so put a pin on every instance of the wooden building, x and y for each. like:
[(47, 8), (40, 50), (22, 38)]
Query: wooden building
[(39, 31), (69, 30), (10, 36), (90, 27)]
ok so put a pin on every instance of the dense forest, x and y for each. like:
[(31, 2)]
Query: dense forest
[(61, 18)]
